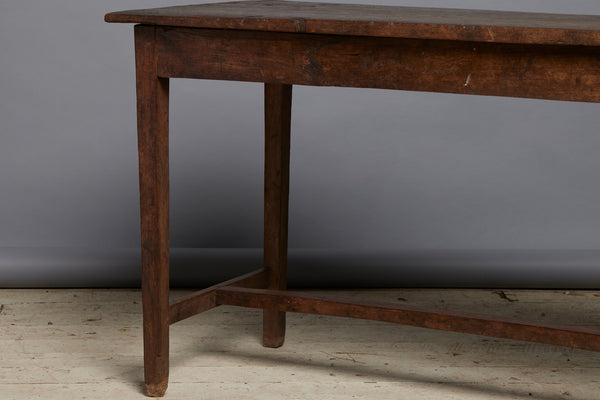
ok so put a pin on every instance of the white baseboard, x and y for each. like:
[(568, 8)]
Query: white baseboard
[(89, 267)]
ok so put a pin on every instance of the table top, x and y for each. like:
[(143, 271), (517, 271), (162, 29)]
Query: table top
[(372, 20)]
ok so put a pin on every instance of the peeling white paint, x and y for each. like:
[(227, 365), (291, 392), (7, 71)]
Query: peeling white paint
[(468, 80)]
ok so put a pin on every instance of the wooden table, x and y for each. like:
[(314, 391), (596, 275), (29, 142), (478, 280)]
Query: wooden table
[(281, 43)]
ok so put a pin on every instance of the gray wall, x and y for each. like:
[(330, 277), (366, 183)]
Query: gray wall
[(438, 181)]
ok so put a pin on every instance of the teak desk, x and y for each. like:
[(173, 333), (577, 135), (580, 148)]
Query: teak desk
[(281, 43)]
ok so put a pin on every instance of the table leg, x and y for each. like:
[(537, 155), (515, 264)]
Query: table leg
[(153, 146), (278, 107)]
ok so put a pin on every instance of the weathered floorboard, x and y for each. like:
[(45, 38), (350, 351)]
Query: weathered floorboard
[(92, 349)]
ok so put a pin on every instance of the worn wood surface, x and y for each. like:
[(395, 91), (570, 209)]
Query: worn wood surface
[(278, 110), (375, 20), (551, 57), (153, 144), (76, 344), (531, 71), (479, 324)]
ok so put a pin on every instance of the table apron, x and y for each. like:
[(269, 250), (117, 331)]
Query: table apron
[(552, 72)]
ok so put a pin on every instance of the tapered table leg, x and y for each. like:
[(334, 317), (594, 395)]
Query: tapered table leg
[(278, 105), (153, 146)]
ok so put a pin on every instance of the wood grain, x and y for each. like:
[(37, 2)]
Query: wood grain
[(544, 56), (153, 145), (375, 20), (570, 73), (478, 324), (278, 109)]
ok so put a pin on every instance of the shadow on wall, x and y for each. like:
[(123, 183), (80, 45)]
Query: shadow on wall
[(88, 267)]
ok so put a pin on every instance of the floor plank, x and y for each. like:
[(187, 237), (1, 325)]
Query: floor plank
[(86, 344)]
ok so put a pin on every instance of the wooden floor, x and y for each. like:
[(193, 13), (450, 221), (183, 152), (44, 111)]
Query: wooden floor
[(86, 344)]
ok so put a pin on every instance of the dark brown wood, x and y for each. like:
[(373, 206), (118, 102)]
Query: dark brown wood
[(374, 20), (278, 109), (569, 73), (545, 56), (205, 299), (507, 328), (153, 144)]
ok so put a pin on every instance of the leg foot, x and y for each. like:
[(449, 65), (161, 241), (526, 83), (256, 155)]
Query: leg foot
[(156, 389), (273, 328)]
